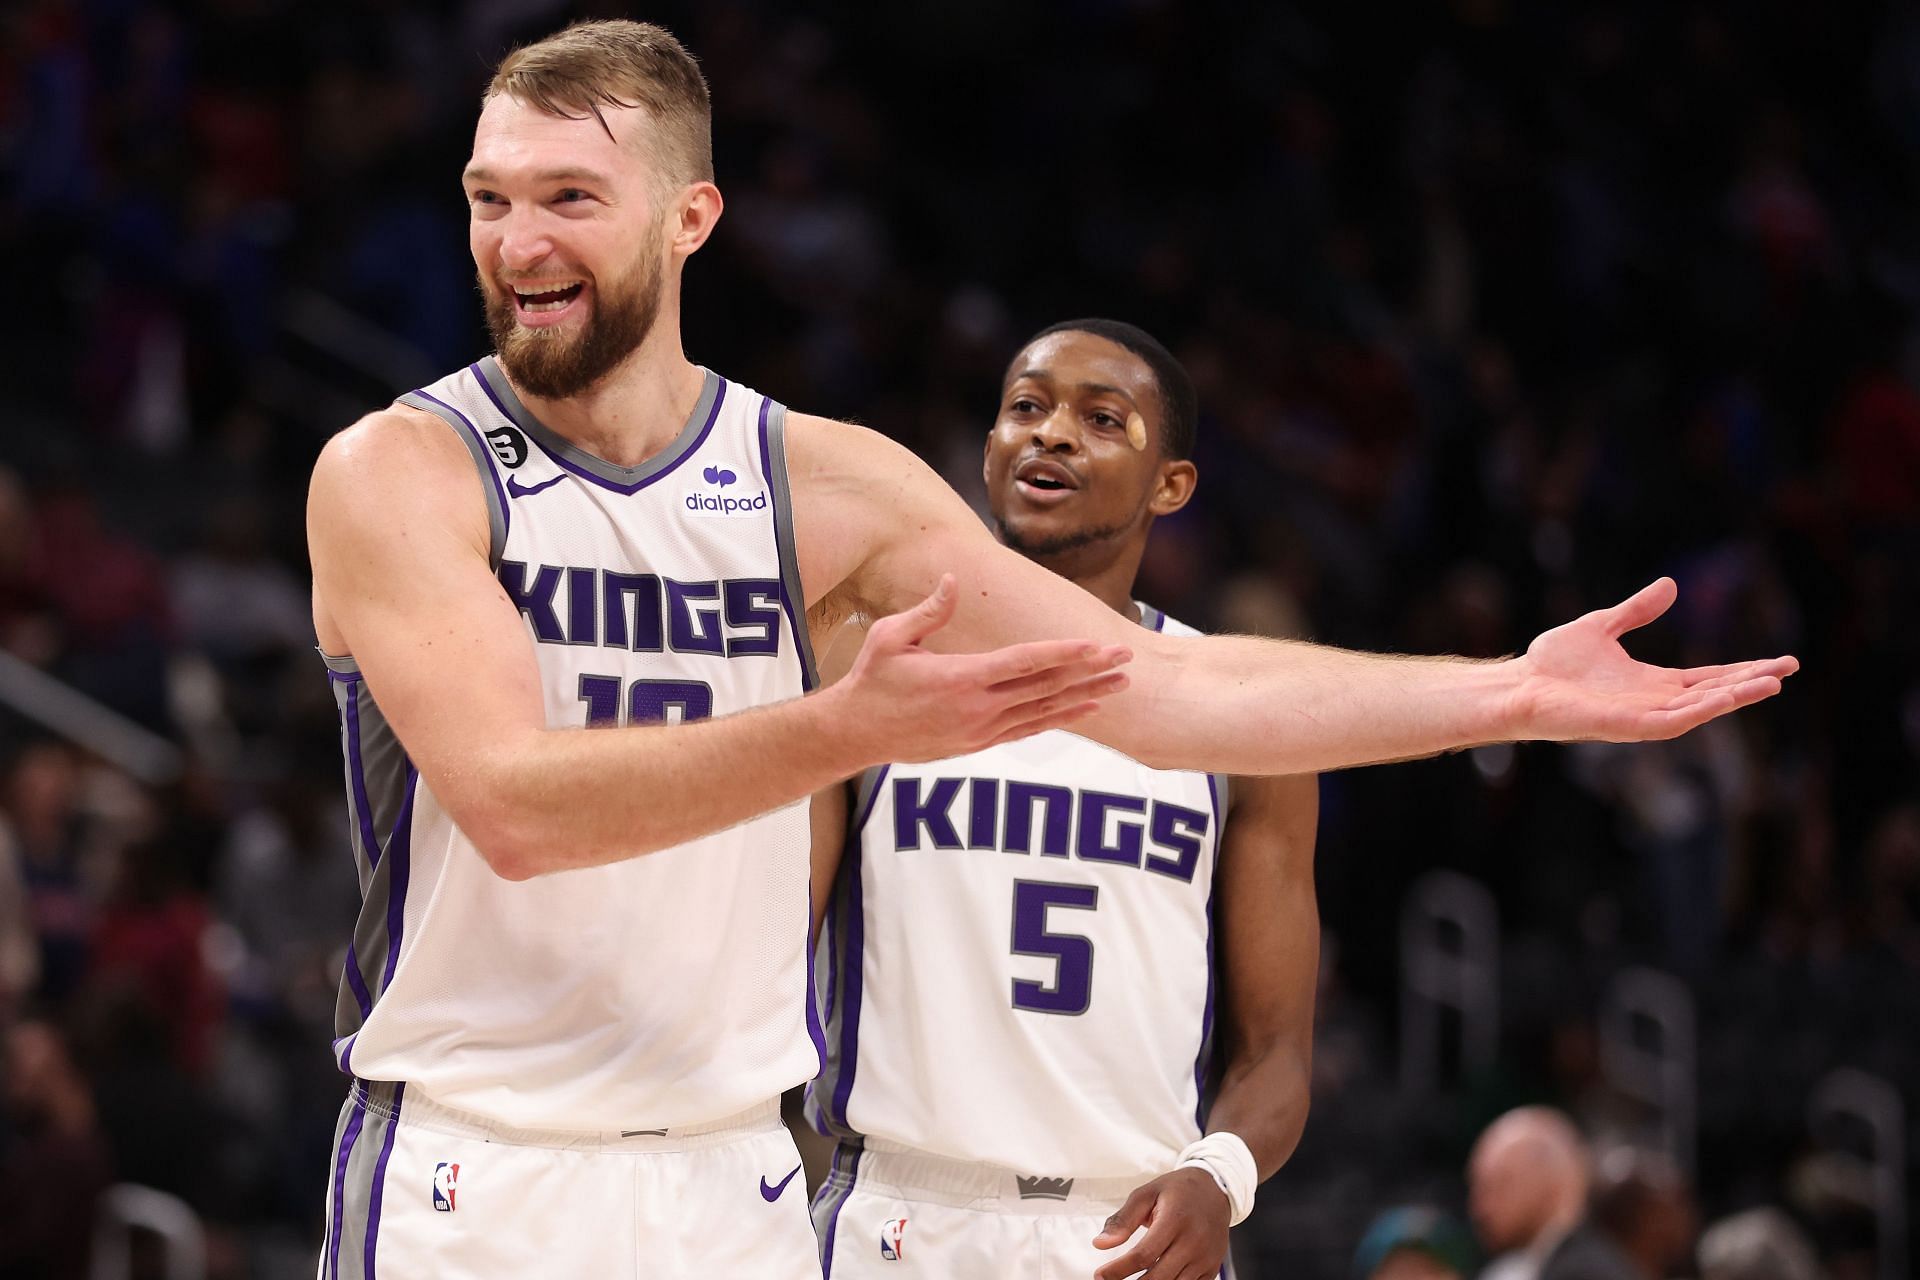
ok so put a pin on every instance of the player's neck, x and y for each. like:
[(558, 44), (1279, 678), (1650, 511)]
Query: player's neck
[(1108, 574), (636, 410)]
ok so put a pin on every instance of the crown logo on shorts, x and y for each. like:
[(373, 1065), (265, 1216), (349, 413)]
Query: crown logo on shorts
[(1044, 1188)]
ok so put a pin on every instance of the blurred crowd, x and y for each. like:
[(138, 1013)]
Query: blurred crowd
[(1544, 1205), (1497, 311)]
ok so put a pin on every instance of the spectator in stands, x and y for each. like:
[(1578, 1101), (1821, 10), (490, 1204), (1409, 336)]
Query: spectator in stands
[(55, 1162), (149, 944), (19, 946), (1527, 1181), (27, 626), (1760, 1244), (1643, 1201), (1414, 1244), (59, 847), (1493, 308)]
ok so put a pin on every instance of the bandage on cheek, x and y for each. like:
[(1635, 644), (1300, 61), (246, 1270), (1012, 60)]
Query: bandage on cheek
[(1137, 432)]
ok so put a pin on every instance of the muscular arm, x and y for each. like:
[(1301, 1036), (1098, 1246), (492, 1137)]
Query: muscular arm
[(1270, 961), (876, 528), (398, 534)]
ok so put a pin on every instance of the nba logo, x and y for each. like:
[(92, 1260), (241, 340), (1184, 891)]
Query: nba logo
[(893, 1239), (446, 1180)]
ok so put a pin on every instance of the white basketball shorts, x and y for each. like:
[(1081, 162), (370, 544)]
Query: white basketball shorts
[(891, 1215), (422, 1192)]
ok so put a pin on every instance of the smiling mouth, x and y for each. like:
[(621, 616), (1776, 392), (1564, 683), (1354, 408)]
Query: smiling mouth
[(541, 298)]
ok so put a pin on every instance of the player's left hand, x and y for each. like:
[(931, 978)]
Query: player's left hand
[(1579, 684), (1185, 1213)]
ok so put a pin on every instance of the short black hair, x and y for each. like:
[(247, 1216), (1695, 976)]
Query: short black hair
[(1179, 404)]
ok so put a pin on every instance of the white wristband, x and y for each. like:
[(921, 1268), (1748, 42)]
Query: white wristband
[(1227, 1158)]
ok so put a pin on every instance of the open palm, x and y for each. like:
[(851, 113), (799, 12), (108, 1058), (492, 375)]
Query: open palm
[(1580, 684)]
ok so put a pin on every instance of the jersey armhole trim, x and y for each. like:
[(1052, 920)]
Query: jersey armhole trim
[(498, 518), (773, 461), (864, 796)]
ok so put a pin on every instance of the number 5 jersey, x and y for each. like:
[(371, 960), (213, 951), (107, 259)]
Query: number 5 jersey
[(1018, 959)]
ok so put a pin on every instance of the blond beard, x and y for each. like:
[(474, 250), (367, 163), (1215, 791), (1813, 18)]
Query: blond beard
[(553, 365)]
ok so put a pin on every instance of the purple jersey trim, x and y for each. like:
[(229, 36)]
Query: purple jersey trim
[(347, 1139), (357, 983), (399, 848), (833, 1217), (873, 797), (850, 1001), (369, 843), (827, 1013), (380, 1179), (786, 597), (1204, 1058), (693, 446), (814, 1030), (493, 473), (856, 943), (343, 1046)]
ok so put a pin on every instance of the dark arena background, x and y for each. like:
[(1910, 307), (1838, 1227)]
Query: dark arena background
[(1497, 311)]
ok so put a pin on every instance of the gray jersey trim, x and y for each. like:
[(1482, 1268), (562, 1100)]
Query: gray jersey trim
[(776, 465), (864, 792), (363, 1144), (489, 480), (502, 393), (1155, 620), (381, 785)]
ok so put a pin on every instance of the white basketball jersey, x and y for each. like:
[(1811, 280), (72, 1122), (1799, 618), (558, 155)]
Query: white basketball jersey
[(1020, 959), (665, 990)]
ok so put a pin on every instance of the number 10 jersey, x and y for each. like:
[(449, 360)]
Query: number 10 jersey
[(664, 990), (1019, 958)]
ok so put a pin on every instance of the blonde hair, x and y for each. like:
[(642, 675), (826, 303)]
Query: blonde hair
[(617, 63)]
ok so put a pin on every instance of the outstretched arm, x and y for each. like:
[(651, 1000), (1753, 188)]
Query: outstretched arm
[(397, 529), (876, 527), (1269, 950)]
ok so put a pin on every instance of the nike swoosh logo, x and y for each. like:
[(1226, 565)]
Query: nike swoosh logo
[(770, 1194), (519, 490)]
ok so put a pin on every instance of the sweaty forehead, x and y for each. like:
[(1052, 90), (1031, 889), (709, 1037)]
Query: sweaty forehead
[(1071, 359), (516, 139)]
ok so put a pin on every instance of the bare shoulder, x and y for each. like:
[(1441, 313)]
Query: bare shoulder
[(396, 465), (395, 474), (857, 495), (826, 451), (395, 439)]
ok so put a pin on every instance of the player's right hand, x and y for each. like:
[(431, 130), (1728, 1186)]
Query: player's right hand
[(1186, 1218), (903, 702)]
